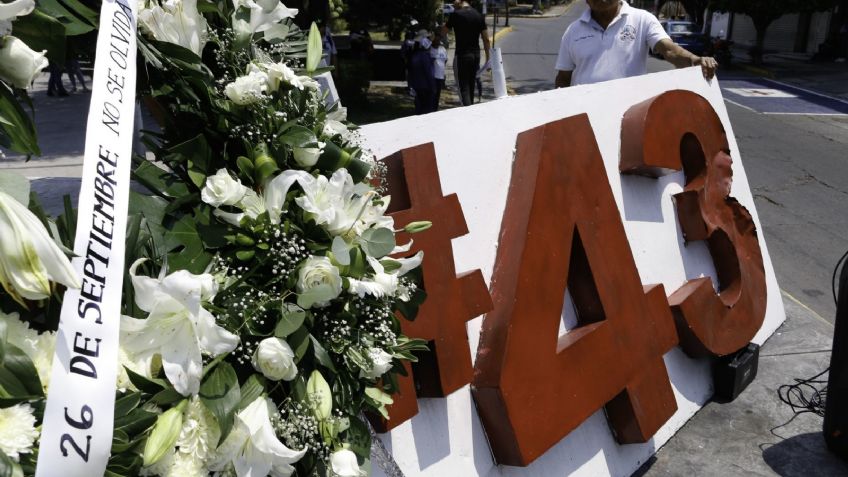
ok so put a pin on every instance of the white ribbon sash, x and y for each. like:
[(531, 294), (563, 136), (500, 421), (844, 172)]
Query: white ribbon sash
[(77, 432)]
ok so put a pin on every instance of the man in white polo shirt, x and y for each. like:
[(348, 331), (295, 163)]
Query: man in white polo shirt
[(611, 40)]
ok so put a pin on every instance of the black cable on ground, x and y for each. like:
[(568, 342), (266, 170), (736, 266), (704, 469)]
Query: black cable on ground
[(810, 395)]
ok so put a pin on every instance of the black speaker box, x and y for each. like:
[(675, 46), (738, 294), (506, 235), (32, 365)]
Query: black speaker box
[(734, 372), (836, 406)]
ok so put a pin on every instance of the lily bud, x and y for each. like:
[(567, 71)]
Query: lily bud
[(418, 226), (164, 434), (29, 258)]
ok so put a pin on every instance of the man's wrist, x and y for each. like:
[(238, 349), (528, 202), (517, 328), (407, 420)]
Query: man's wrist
[(694, 60)]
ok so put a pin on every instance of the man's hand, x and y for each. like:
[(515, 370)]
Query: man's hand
[(708, 65), (679, 57)]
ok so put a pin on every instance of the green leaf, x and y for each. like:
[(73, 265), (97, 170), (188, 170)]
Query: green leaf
[(149, 386), (221, 394), (299, 341), (16, 186), (319, 395), (291, 318), (378, 243), (18, 376), (299, 136), (127, 403), (164, 434), (250, 390), (72, 14), (16, 130), (314, 49), (321, 355), (40, 32), (359, 438)]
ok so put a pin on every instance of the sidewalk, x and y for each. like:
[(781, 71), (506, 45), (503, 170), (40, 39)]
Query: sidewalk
[(757, 434), (829, 78)]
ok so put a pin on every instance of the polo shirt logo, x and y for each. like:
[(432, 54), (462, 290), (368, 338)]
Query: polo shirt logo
[(628, 33)]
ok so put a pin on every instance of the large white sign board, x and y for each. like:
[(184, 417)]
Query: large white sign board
[(474, 148)]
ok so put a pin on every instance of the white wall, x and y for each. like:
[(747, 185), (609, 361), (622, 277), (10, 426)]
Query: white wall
[(474, 148)]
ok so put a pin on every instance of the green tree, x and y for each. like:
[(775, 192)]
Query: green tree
[(393, 15), (764, 12)]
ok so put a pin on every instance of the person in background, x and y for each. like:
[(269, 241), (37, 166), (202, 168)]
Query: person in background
[(611, 40), (469, 27), (421, 78), (54, 84), (328, 46), (440, 59), (72, 67)]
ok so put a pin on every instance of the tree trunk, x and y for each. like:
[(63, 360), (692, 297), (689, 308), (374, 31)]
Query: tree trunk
[(757, 50)]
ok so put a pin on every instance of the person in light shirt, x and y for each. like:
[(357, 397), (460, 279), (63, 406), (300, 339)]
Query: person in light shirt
[(440, 58), (611, 40)]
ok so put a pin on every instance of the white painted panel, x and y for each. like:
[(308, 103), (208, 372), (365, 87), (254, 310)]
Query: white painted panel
[(475, 147)]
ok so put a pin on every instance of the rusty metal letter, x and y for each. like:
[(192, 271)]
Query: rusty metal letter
[(452, 300), (681, 130), (562, 229)]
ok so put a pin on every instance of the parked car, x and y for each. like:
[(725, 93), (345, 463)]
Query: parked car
[(687, 35)]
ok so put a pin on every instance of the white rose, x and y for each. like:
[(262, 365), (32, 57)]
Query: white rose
[(308, 156), (19, 64), (382, 362), (343, 464), (247, 89), (175, 21), (318, 282), (274, 358), (222, 189)]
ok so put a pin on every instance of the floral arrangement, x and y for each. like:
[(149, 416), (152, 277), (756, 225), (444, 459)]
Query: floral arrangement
[(264, 289)]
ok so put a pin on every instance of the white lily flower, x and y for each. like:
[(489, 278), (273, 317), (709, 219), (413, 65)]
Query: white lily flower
[(265, 14), (177, 328), (29, 258), (15, 9), (252, 447), (175, 21), (382, 283), (12, 10)]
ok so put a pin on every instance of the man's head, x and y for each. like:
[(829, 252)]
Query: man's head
[(602, 7)]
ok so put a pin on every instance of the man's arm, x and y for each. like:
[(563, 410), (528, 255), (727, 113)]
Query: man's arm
[(563, 79), (680, 58), (487, 45)]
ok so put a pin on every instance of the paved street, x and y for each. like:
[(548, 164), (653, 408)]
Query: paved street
[(796, 162)]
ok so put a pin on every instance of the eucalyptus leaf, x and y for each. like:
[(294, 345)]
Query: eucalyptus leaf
[(378, 242), (291, 318)]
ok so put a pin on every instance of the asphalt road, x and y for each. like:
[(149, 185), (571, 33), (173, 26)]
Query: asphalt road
[(797, 165)]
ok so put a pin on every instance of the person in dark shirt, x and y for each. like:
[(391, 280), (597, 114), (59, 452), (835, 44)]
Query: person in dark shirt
[(421, 78), (468, 26)]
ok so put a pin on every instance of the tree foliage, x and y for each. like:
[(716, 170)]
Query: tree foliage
[(764, 12), (394, 15)]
